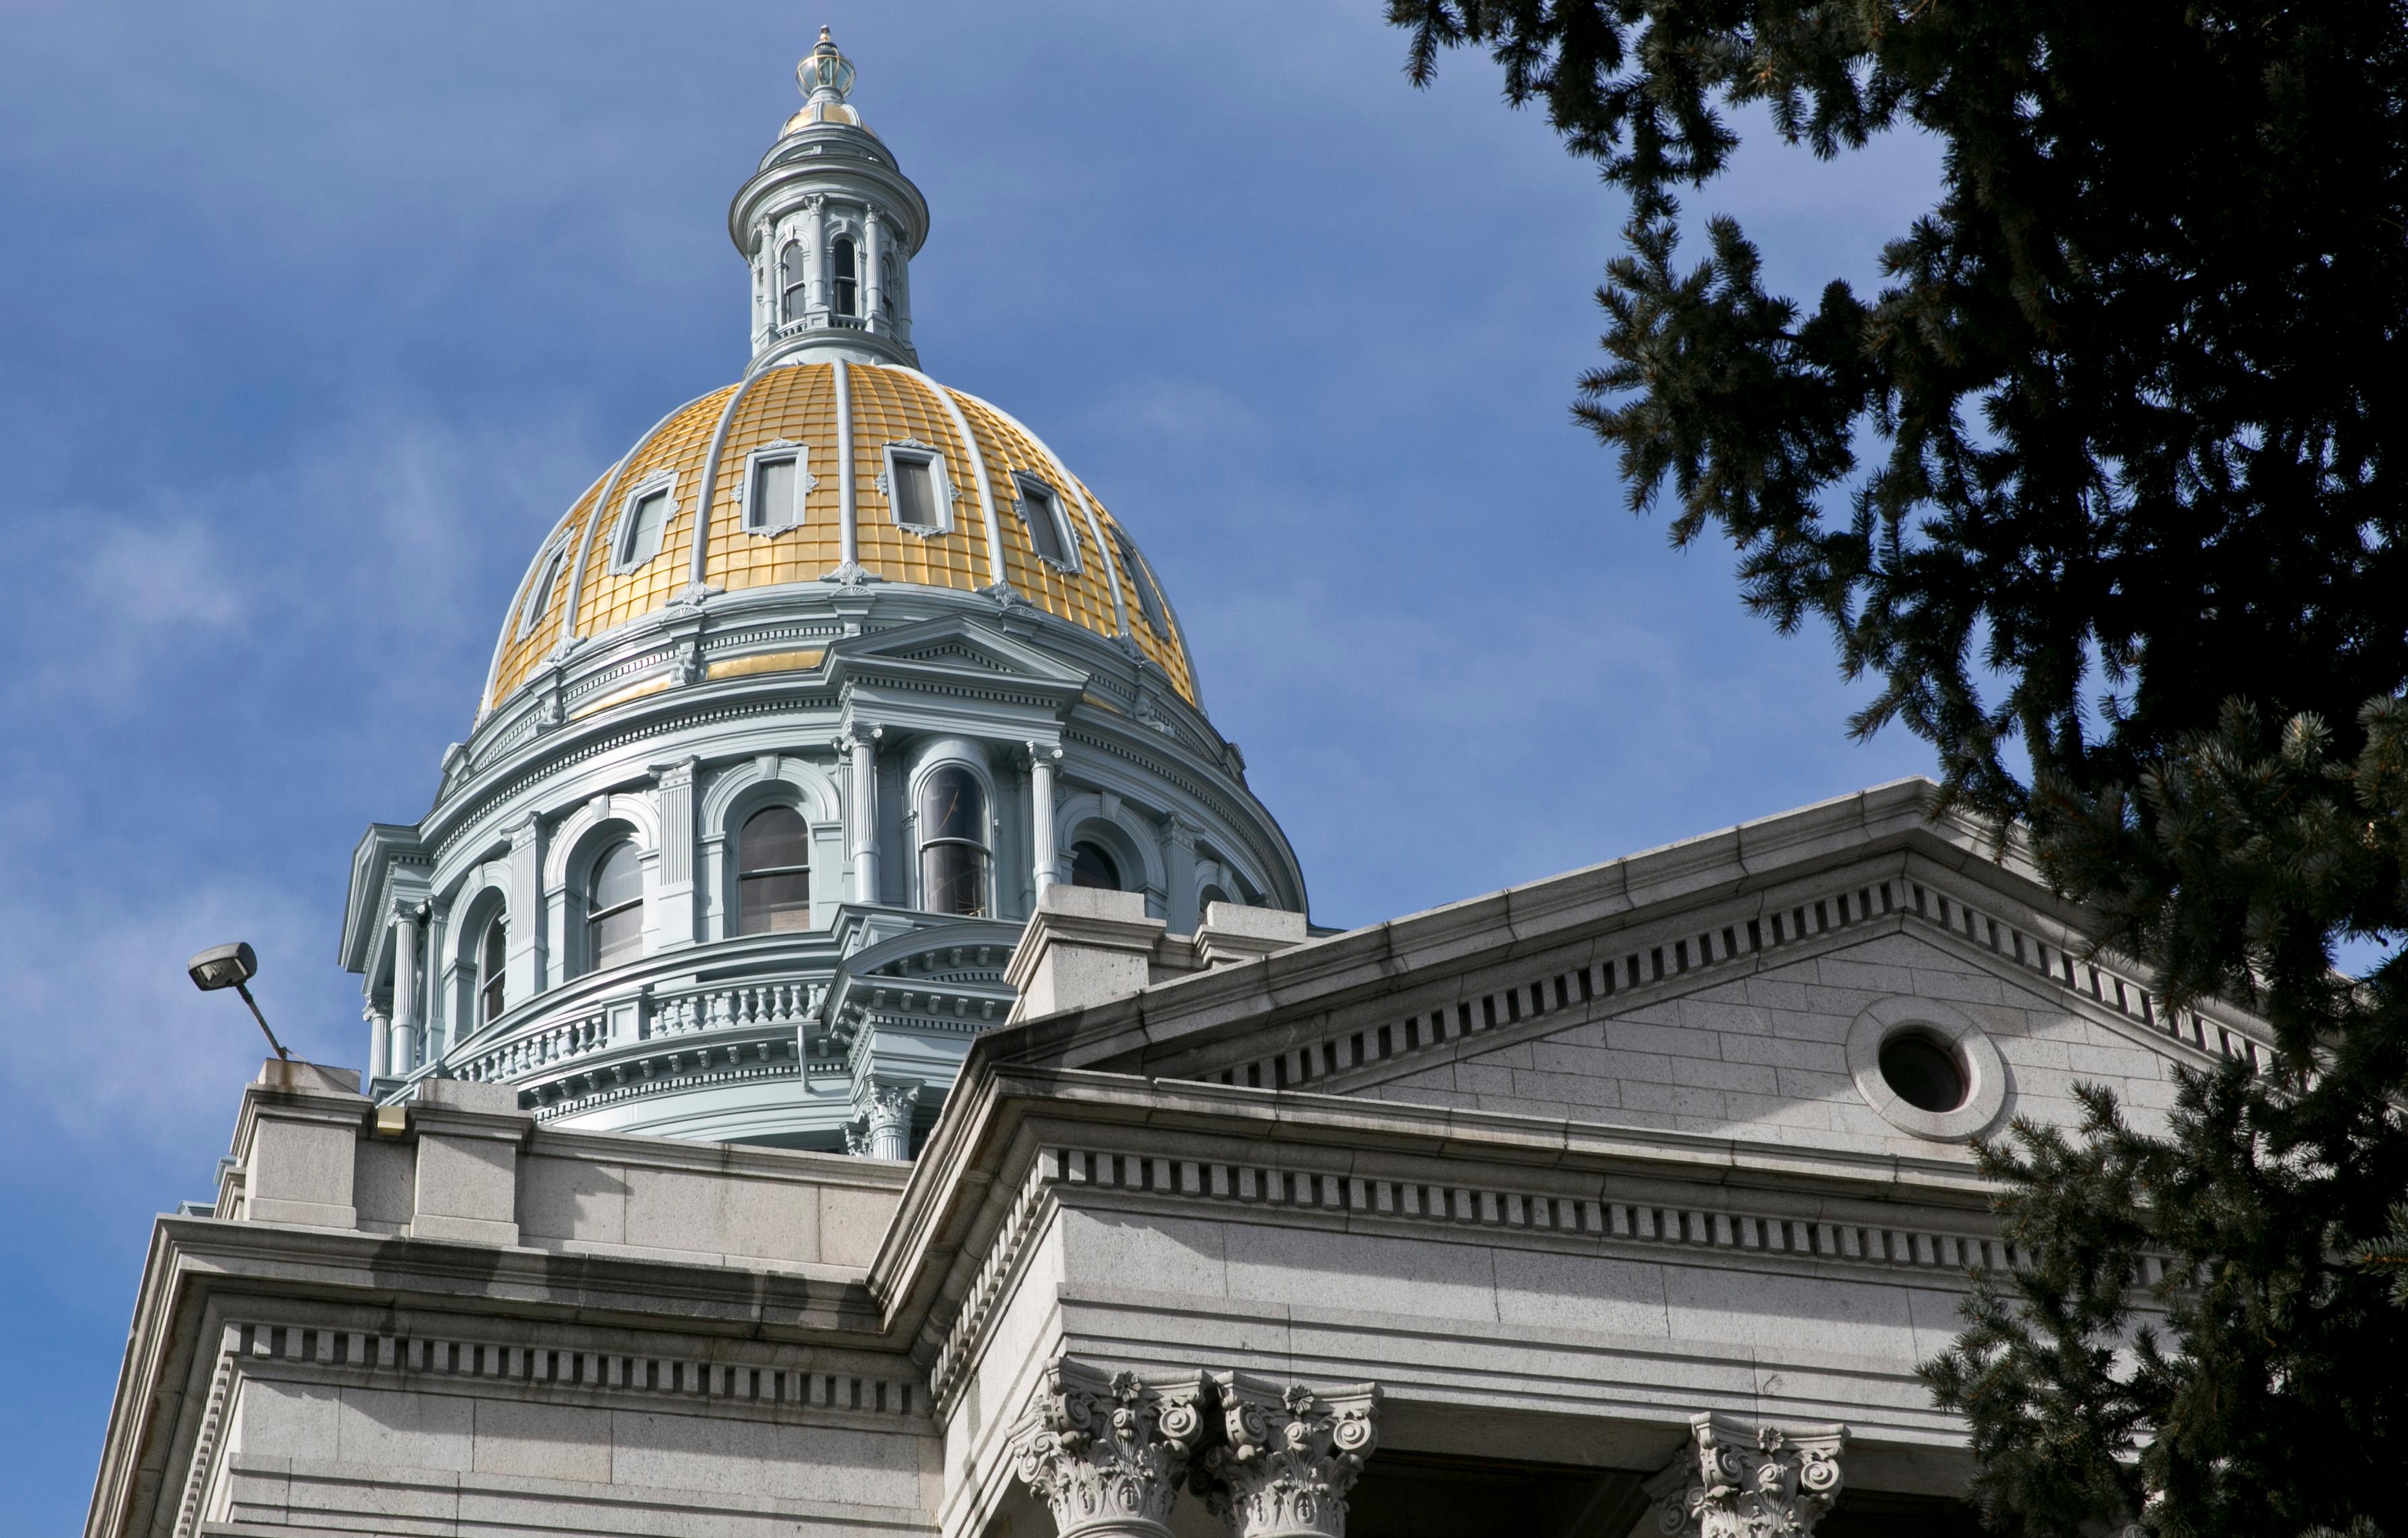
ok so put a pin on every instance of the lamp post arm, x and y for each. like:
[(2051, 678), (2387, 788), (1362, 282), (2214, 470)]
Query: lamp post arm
[(244, 989)]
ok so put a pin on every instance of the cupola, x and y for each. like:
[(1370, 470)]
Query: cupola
[(829, 226)]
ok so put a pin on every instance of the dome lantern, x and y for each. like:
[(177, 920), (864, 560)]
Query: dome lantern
[(824, 74), (829, 225)]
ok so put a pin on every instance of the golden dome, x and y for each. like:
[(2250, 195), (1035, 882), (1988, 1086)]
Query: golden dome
[(988, 472)]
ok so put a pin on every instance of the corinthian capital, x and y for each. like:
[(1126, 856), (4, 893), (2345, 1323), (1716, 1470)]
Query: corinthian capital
[(1105, 1452), (1743, 1481), (1288, 1456)]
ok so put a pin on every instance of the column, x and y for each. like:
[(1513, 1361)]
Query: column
[(1287, 1457), (1739, 1480), (815, 255), (883, 1113), (379, 1044), (406, 926), (1106, 1452), (873, 240), (1041, 758), (861, 744)]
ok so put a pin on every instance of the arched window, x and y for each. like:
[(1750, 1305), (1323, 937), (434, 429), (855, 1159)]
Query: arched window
[(614, 908), (1091, 864), (773, 873), (794, 284), (1207, 897), (886, 284), (493, 961), (952, 842), (841, 258)]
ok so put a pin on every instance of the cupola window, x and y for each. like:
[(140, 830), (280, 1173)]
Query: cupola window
[(614, 907), (887, 285), (795, 283), (773, 494), (640, 528), (493, 961), (773, 873), (846, 284), (1090, 866), (1042, 510), (1149, 597), (952, 842)]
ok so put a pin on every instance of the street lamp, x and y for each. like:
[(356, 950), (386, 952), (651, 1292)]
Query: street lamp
[(232, 966)]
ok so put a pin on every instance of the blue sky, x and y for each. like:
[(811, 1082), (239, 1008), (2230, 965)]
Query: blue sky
[(313, 317)]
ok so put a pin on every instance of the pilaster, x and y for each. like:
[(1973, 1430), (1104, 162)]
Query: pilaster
[(1739, 1480), (1106, 1451), (524, 971), (675, 892)]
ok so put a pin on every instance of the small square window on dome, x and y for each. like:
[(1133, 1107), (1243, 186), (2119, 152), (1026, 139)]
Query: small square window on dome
[(777, 477), (1049, 533), (547, 581), (917, 488), (643, 520)]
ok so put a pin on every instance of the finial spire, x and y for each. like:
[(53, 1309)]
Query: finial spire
[(824, 74)]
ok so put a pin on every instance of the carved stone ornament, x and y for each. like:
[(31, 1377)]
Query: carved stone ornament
[(1744, 1481), (1289, 1456), (1105, 1452)]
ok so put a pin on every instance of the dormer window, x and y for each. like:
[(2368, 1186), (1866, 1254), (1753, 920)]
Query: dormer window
[(794, 282), (1148, 599), (1042, 510), (846, 283), (774, 485), (641, 525), (917, 488)]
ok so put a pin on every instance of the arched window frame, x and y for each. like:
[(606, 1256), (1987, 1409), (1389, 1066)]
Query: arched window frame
[(454, 998), (576, 884), (730, 797), (794, 280), (844, 275), (1140, 868), (940, 756)]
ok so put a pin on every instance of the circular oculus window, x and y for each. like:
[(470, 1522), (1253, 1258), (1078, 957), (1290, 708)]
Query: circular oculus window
[(1927, 1068)]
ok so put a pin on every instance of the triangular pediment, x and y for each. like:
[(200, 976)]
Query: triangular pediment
[(1740, 986), (952, 645)]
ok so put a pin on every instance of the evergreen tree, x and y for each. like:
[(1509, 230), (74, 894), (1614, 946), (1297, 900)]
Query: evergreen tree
[(2100, 489)]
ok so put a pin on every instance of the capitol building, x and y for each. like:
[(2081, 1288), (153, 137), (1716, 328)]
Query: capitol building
[(844, 1052)]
